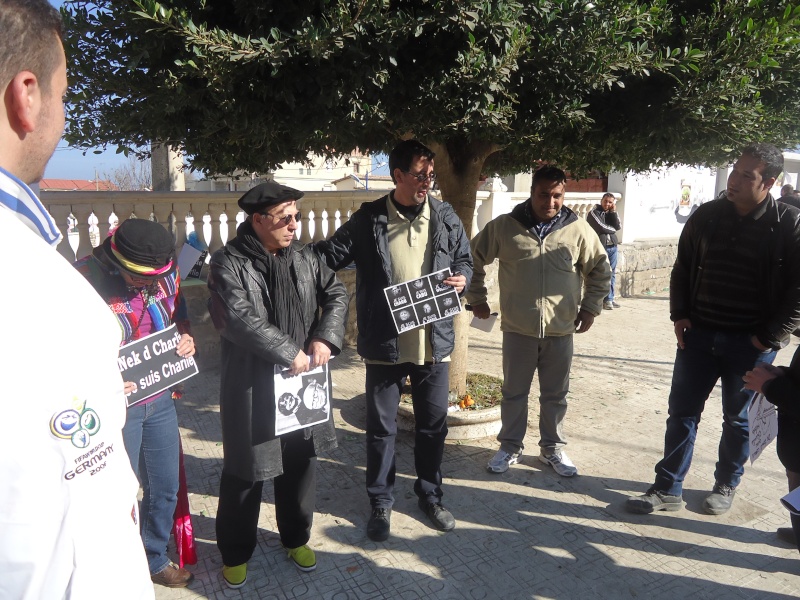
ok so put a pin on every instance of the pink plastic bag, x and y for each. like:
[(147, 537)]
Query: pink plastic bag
[(182, 526)]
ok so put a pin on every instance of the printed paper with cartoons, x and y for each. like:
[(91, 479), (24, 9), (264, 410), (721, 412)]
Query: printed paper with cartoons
[(420, 301), (301, 400)]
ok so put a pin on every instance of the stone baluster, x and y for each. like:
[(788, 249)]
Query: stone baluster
[(103, 212), (123, 210), (60, 213), (81, 212), (227, 230), (215, 209), (179, 212), (143, 210), (332, 207), (319, 207), (305, 234)]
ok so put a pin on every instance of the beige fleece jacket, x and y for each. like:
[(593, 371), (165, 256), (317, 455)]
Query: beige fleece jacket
[(540, 280)]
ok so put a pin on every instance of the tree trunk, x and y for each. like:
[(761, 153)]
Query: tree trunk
[(458, 166)]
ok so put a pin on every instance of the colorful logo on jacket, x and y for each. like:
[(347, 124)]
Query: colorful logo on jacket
[(77, 424)]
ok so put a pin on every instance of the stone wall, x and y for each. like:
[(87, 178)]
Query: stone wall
[(644, 267)]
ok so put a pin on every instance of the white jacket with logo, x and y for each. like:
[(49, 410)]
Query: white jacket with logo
[(68, 495)]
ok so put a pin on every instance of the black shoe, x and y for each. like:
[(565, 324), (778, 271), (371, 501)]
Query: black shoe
[(652, 501), (379, 524), (786, 534), (615, 305), (719, 501), (438, 515)]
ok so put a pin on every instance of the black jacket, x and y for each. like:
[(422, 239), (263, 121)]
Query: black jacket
[(363, 240), (251, 346), (605, 224), (778, 262)]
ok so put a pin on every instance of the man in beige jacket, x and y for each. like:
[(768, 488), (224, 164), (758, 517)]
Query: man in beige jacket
[(546, 252)]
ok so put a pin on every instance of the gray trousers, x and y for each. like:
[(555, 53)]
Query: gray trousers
[(522, 355)]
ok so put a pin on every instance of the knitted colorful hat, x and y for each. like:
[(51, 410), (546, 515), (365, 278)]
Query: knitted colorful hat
[(142, 248)]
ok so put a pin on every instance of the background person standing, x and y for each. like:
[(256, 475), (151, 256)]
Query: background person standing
[(605, 221)]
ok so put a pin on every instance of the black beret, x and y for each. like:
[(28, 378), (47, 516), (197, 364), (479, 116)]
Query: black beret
[(267, 194)]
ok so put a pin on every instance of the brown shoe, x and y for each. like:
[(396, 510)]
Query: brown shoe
[(172, 576)]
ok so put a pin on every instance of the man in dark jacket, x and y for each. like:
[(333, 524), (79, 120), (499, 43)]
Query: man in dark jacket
[(275, 305), (605, 221), (734, 301), (403, 236)]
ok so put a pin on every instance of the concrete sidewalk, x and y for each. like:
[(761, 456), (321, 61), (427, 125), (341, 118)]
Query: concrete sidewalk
[(527, 533)]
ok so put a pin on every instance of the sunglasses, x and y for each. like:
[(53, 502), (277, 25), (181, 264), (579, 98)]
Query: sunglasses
[(420, 177), (287, 219)]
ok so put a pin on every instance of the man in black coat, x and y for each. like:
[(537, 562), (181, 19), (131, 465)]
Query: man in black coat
[(734, 300), (400, 237), (275, 305)]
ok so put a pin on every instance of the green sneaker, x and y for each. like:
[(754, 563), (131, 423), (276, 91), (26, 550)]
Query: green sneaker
[(235, 577), (302, 557)]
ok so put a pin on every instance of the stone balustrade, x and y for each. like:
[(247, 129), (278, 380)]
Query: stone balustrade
[(85, 218)]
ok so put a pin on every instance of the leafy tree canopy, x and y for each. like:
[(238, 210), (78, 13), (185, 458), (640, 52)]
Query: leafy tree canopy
[(620, 83)]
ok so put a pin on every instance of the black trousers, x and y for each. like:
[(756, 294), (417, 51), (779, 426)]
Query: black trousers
[(240, 503), (429, 389)]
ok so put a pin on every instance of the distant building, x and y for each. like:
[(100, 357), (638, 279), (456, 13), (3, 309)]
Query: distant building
[(76, 185)]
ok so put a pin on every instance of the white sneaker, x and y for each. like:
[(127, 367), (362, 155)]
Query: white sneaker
[(502, 460), (561, 464)]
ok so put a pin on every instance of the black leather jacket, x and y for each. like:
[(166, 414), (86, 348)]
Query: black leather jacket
[(779, 264), (363, 240), (250, 346)]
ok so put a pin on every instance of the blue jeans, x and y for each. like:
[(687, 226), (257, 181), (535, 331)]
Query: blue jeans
[(709, 356), (151, 440), (612, 260)]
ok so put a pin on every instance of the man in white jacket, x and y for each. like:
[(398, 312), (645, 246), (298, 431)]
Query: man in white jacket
[(547, 256), (68, 499)]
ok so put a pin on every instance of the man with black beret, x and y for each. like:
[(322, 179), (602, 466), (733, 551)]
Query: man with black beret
[(274, 304)]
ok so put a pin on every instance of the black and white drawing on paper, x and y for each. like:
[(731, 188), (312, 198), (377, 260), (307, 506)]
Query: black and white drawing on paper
[(417, 302), (301, 400)]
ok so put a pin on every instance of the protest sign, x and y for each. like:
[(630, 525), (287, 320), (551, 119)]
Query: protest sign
[(301, 400), (416, 302), (763, 418), (191, 261), (153, 365)]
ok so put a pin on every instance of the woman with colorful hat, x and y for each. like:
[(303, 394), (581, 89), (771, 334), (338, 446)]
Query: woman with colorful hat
[(133, 270)]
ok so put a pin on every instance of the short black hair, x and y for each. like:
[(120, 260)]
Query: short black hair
[(405, 153), (607, 194), (29, 31), (769, 155), (548, 173)]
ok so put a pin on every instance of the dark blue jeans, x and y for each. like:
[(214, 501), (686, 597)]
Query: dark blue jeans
[(709, 356), (151, 440), (612, 260), (429, 389)]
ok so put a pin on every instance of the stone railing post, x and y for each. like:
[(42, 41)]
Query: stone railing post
[(60, 214)]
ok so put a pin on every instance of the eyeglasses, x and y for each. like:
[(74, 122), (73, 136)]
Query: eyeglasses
[(287, 219), (420, 177)]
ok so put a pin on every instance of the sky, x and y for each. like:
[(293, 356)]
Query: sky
[(70, 163)]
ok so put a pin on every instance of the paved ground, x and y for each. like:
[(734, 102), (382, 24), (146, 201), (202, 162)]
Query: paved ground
[(527, 533)]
